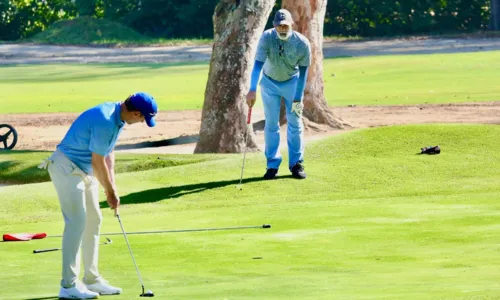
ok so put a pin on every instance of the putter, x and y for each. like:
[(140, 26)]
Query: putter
[(56, 249), (149, 293), (245, 151)]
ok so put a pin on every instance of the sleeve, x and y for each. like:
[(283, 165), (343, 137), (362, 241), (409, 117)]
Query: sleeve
[(257, 68), (305, 61), (100, 138), (262, 49), (301, 84)]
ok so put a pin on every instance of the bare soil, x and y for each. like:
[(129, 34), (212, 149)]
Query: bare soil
[(179, 129)]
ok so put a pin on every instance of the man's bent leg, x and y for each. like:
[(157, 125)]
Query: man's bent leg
[(90, 242), (295, 136), (272, 102), (71, 193)]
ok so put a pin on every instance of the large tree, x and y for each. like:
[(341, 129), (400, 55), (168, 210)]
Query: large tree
[(309, 17), (495, 15), (238, 25)]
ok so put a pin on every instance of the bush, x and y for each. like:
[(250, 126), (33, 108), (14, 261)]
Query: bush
[(193, 18), (23, 18)]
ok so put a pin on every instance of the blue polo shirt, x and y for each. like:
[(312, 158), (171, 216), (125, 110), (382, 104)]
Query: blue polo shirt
[(282, 59), (95, 130)]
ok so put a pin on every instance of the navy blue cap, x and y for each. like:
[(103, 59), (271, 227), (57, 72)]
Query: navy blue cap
[(283, 17), (146, 104)]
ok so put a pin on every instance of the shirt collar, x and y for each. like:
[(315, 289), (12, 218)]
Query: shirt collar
[(118, 112)]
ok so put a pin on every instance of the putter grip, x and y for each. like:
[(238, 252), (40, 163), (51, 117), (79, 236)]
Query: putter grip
[(249, 115), (45, 250)]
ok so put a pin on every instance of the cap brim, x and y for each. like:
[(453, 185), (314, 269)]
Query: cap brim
[(284, 22), (151, 122)]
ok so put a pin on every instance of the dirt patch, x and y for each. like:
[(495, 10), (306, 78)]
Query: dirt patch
[(179, 129)]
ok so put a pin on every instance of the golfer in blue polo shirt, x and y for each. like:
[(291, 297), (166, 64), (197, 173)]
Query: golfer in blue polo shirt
[(81, 161)]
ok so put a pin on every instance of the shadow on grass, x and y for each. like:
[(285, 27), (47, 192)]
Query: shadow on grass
[(43, 298), (155, 195), (181, 140), (10, 152), (22, 174)]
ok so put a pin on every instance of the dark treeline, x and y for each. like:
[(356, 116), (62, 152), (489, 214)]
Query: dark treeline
[(193, 18)]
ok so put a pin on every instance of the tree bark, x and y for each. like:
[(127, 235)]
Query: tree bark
[(238, 25), (495, 15), (309, 16)]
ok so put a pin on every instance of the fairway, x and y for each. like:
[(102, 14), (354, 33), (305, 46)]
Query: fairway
[(379, 80), (373, 221)]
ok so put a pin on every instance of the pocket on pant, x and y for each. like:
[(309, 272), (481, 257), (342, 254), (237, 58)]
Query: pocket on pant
[(87, 179), (61, 168)]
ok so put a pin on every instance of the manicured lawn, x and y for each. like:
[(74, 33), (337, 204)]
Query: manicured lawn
[(384, 80), (373, 220)]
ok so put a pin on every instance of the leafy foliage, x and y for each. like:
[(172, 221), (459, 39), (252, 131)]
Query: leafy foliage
[(23, 18), (193, 18)]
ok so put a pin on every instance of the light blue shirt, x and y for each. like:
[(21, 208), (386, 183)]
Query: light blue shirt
[(95, 130), (282, 59)]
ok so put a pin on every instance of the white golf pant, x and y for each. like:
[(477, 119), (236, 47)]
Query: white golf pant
[(79, 199)]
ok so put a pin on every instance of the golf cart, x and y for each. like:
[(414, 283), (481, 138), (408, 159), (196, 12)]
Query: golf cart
[(8, 137)]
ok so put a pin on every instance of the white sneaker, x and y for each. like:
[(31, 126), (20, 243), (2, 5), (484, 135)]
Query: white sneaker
[(104, 288), (77, 292)]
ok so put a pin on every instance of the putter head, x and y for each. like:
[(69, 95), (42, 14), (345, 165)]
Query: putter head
[(149, 293)]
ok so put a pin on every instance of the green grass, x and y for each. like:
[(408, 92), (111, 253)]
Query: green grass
[(19, 167), (412, 79), (383, 80), (73, 88), (86, 31), (374, 220)]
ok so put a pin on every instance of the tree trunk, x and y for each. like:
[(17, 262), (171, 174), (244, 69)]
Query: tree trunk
[(495, 15), (238, 25), (309, 16)]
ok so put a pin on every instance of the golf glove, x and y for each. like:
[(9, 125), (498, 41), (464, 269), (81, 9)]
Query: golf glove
[(297, 108), (430, 150)]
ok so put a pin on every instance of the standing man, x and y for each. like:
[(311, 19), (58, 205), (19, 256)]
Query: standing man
[(285, 56), (83, 159)]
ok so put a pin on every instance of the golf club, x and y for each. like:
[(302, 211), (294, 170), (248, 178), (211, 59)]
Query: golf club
[(56, 249), (245, 151), (149, 293), (265, 226)]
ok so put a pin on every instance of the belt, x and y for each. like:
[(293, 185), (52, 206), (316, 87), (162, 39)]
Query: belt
[(270, 78)]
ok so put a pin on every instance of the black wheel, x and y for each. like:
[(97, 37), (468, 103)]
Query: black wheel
[(8, 137)]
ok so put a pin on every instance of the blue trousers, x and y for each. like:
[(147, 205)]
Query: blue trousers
[(272, 91)]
